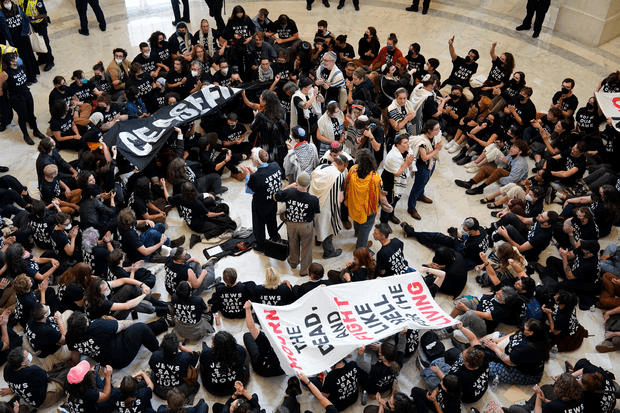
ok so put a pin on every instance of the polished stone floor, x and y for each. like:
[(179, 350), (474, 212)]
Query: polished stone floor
[(546, 61)]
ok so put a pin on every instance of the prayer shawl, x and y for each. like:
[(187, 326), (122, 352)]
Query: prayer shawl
[(335, 79), (184, 41), (207, 41), (314, 108), (415, 142), (392, 163), (302, 158), (362, 195), (419, 96), (326, 127), (326, 184), (394, 112)]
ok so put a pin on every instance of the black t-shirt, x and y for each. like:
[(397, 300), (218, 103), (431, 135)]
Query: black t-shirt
[(568, 103), (603, 400), (461, 72), (415, 63), (267, 359), (586, 269), (561, 406), (242, 27), (98, 339), (189, 311), (63, 125), (448, 404), (83, 90), (284, 32), (147, 63), (49, 190), (381, 377), (281, 295), (527, 359), (43, 337), (62, 94), (24, 305), (473, 382), (474, 245), (565, 321), (489, 304), (97, 311), (496, 74), (526, 111), (230, 300), (342, 385), (217, 378), (300, 206), (539, 238), (175, 274), (193, 214), (144, 84), (142, 404), (391, 259), (571, 162), (302, 289), (174, 77), (86, 403), (29, 383), (42, 229), (170, 373), (265, 183), (456, 277), (130, 242)]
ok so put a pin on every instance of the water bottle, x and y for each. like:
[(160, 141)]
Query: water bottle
[(495, 383), (554, 349), (592, 308)]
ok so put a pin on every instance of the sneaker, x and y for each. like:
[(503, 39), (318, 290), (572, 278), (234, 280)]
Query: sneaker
[(333, 254), (340, 6), (536, 34), (4, 169), (177, 242)]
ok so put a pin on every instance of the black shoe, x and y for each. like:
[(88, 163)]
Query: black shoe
[(522, 27), (536, 34), (39, 135), (28, 140), (186, 20), (464, 160), (174, 22), (463, 184), (308, 6), (356, 7), (177, 242), (325, 3), (411, 8), (425, 11), (453, 232), (475, 191), (340, 5), (83, 32), (4, 169), (333, 254), (394, 219), (222, 190), (2, 127), (102, 27), (193, 240), (460, 155), (48, 67)]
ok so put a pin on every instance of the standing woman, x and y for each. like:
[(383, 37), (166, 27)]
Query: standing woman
[(13, 81), (362, 188), (37, 13), (330, 127), (426, 148), (14, 29), (269, 128)]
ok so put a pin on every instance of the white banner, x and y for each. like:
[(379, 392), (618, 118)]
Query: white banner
[(610, 105), (328, 323)]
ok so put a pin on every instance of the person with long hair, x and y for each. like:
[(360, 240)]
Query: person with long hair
[(129, 295), (272, 292), (426, 147), (522, 361), (134, 394), (361, 268), (269, 127), (384, 372), (223, 364), (566, 331), (192, 321), (501, 70), (362, 191)]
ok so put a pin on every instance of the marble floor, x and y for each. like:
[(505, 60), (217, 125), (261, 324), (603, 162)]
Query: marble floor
[(546, 61)]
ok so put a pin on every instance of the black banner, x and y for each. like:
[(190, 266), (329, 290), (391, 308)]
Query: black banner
[(139, 140)]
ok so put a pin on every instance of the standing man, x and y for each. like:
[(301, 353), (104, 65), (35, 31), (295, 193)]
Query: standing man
[(300, 210), (539, 7), (81, 6), (264, 183), (177, 11), (36, 11), (416, 4)]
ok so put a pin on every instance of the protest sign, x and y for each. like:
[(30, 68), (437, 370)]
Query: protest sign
[(139, 140), (328, 323), (610, 105)]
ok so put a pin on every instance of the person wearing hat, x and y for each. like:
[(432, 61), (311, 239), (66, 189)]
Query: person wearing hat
[(390, 257), (299, 216), (263, 183), (86, 392), (302, 155), (330, 127), (28, 382), (330, 80), (474, 240), (396, 170), (180, 42)]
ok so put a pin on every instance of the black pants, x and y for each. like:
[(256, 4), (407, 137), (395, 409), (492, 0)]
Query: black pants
[(82, 5), (6, 114), (425, 4), (126, 344), (23, 105), (538, 7), (27, 55), (41, 28), (433, 240), (177, 11), (255, 355), (264, 215), (215, 11)]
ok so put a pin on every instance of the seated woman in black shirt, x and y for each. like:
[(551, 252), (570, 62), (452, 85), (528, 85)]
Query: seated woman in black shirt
[(26, 298), (566, 331), (192, 321), (523, 359), (128, 295), (384, 372), (134, 395), (46, 336), (86, 392), (223, 364), (64, 130), (272, 292), (361, 268), (169, 366), (72, 285), (446, 398)]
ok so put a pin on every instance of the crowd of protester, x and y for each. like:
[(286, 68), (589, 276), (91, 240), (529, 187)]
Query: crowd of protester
[(351, 132)]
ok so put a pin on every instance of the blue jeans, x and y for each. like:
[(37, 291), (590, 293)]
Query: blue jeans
[(363, 230), (429, 376), (612, 265), (152, 236), (422, 175)]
